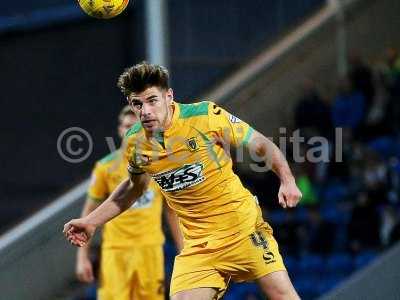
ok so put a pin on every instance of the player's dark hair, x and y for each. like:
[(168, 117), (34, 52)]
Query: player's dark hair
[(141, 76)]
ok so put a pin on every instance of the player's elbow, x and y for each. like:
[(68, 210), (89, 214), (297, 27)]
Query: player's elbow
[(258, 145)]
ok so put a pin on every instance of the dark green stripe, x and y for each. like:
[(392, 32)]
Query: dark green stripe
[(134, 129), (193, 110), (248, 136)]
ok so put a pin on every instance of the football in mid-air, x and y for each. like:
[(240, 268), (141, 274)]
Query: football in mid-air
[(103, 9)]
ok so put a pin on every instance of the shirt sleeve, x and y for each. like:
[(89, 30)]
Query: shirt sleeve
[(98, 190), (228, 127)]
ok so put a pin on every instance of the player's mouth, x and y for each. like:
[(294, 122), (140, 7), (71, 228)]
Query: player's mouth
[(149, 123)]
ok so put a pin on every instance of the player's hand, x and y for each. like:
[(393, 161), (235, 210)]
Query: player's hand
[(289, 194), (78, 232), (137, 162), (84, 268)]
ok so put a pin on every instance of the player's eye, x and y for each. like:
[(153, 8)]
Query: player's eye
[(137, 104), (152, 101)]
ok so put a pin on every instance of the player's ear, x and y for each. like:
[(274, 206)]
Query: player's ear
[(170, 96)]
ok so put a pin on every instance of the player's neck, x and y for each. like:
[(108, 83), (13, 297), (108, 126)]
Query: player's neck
[(168, 121)]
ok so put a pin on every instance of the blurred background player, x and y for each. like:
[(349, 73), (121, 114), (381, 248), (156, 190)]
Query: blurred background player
[(132, 260)]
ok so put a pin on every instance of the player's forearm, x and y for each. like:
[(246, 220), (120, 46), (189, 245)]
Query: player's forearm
[(88, 207), (279, 164), (271, 155), (120, 200), (84, 251)]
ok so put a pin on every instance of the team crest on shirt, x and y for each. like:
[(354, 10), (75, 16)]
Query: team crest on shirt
[(192, 144)]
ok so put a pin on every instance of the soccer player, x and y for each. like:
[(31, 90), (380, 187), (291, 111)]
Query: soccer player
[(132, 260), (183, 147)]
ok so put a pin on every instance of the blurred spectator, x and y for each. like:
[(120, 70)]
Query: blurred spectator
[(391, 76), (376, 122), (307, 189), (394, 180), (395, 234), (361, 78), (392, 68), (312, 113), (348, 108), (388, 222), (320, 233), (288, 234), (375, 178), (364, 225), (356, 168), (341, 169), (305, 184)]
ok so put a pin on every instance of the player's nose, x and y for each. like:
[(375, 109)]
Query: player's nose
[(145, 109)]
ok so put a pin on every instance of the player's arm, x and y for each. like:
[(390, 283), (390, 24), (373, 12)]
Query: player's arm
[(173, 224), (289, 194), (123, 197), (79, 231), (84, 268), (235, 132), (97, 193)]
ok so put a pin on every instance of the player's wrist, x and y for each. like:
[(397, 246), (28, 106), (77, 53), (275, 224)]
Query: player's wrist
[(287, 179), (83, 253), (92, 222)]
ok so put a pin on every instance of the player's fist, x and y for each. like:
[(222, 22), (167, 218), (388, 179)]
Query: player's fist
[(78, 231), (136, 163), (289, 194), (84, 268)]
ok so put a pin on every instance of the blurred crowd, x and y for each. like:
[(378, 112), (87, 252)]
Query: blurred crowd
[(350, 210), (361, 192)]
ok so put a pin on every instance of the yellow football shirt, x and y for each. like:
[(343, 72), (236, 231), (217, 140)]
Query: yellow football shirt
[(195, 173), (140, 225)]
